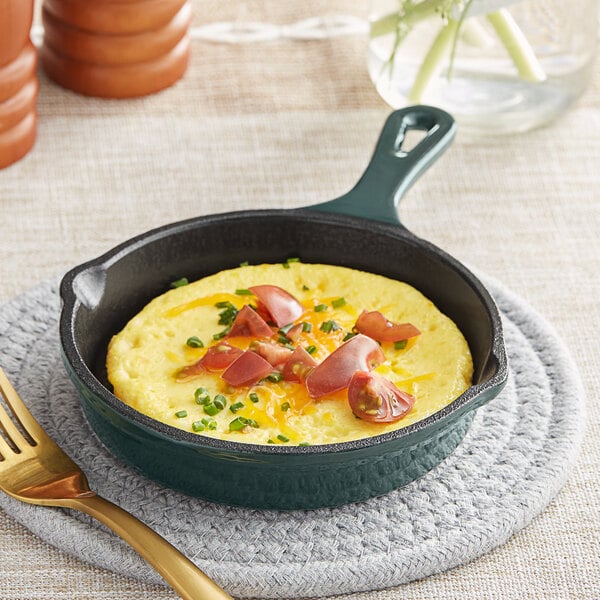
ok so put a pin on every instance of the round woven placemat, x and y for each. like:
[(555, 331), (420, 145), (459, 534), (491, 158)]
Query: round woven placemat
[(514, 459)]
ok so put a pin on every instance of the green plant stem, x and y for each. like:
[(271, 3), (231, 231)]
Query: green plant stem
[(517, 46), (434, 59), (389, 23)]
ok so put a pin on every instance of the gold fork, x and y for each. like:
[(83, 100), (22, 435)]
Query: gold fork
[(35, 470)]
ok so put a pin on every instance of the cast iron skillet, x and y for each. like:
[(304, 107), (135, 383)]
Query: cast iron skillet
[(360, 230)]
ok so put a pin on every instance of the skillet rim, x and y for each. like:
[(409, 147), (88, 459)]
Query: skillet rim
[(410, 434)]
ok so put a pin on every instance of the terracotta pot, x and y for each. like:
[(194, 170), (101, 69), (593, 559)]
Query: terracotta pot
[(107, 49), (15, 22), (18, 81), (116, 48), (102, 16)]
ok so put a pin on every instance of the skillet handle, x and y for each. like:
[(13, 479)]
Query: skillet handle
[(393, 170)]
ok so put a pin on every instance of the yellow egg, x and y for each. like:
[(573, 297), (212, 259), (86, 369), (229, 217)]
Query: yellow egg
[(145, 359)]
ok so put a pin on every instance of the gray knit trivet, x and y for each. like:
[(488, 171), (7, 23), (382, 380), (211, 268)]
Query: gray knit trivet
[(514, 459)]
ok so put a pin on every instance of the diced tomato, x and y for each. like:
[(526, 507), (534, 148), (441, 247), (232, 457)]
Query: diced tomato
[(282, 307), (248, 323), (217, 358), (376, 399), (376, 326), (294, 333), (299, 365), (275, 354), (360, 353), (247, 369)]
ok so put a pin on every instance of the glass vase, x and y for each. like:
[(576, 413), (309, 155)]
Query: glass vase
[(497, 66)]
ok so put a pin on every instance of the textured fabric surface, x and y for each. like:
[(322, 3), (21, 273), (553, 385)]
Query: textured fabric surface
[(513, 460), (288, 123)]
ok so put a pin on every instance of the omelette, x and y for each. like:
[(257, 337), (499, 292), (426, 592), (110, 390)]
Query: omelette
[(292, 353)]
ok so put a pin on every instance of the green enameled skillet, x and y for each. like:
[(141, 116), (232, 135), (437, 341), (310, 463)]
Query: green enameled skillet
[(359, 230)]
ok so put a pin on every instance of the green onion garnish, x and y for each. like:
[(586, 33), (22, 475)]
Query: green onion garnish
[(329, 326), (243, 292), (244, 264), (220, 401), (303, 444), (305, 288), (275, 377), (181, 414), (348, 336), (209, 423), (306, 327), (285, 329), (320, 307), (338, 302), (253, 397), (270, 441), (285, 406), (238, 424), (221, 334), (235, 407), (198, 426), (195, 342), (201, 391), (311, 349), (180, 282), (400, 345), (211, 409), (283, 340), (293, 260), (283, 438)]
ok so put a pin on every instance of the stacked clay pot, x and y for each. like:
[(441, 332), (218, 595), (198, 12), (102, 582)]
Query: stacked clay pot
[(115, 48), (18, 81)]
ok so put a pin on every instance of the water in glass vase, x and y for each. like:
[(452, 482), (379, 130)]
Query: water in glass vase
[(508, 70)]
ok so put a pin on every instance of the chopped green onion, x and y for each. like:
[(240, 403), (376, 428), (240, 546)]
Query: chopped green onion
[(221, 334), (195, 342), (305, 288), (320, 307), (200, 392), (348, 336), (270, 441), (338, 302), (238, 424), (303, 444), (285, 329), (283, 340), (285, 406), (220, 401), (283, 438), (211, 409), (181, 414), (285, 265), (252, 423), (275, 377), (306, 327), (253, 397), (311, 349), (180, 282), (209, 423), (224, 304), (235, 407), (329, 326), (293, 260), (244, 264), (198, 426), (400, 345), (243, 292)]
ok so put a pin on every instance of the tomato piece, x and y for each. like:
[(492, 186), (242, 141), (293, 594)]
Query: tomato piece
[(247, 369), (217, 358), (281, 306), (360, 353), (376, 399), (299, 365), (294, 333), (274, 354), (248, 323), (376, 326)]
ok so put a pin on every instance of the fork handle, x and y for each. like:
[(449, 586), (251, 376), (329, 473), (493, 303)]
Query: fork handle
[(177, 570)]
